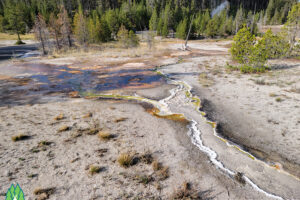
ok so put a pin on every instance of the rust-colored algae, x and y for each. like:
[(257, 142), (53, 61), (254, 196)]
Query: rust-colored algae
[(173, 117)]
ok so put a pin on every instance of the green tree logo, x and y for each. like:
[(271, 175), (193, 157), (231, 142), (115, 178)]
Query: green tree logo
[(15, 193)]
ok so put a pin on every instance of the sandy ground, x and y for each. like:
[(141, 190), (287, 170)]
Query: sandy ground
[(63, 164), (258, 112)]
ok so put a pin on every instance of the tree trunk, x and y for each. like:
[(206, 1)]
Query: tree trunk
[(188, 35), (57, 42), (69, 40), (19, 38), (42, 41)]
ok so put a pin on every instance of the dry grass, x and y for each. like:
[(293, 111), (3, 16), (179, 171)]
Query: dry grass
[(122, 119), (205, 80), (163, 174), (63, 129), (6, 36), (88, 115), (156, 165), (239, 177), (126, 160), (147, 158), (144, 179), (44, 143), (94, 169), (20, 137), (273, 95), (104, 135), (278, 99), (187, 192), (59, 117), (43, 194)]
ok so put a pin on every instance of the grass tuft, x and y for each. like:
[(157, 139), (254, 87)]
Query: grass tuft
[(20, 137), (278, 99), (88, 115), (187, 192), (122, 119), (59, 117), (239, 177), (144, 179), (43, 194), (147, 158), (94, 169), (163, 174), (126, 160), (44, 143), (64, 128), (156, 165), (105, 135), (205, 80)]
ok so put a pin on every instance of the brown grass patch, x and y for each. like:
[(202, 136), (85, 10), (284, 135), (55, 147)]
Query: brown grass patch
[(63, 129), (126, 160), (239, 177), (205, 80), (156, 165), (59, 117), (43, 194), (104, 135), (163, 174), (122, 119), (44, 143), (147, 158), (187, 192), (20, 137), (94, 170), (88, 115)]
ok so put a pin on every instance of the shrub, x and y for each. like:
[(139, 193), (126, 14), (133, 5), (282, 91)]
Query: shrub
[(242, 46), (253, 55)]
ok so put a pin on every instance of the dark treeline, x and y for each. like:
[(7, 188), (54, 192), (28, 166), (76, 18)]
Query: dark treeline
[(93, 21)]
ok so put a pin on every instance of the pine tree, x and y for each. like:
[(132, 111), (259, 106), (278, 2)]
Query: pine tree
[(206, 19), (166, 21), (80, 27), (153, 23), (276, 18), (239, 19), (113, 21), (14, 14), (229, 26), (181, 30), (160, 25), (269, 12), (66, 29), (104, 31), (293, 23), (242, 46)]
